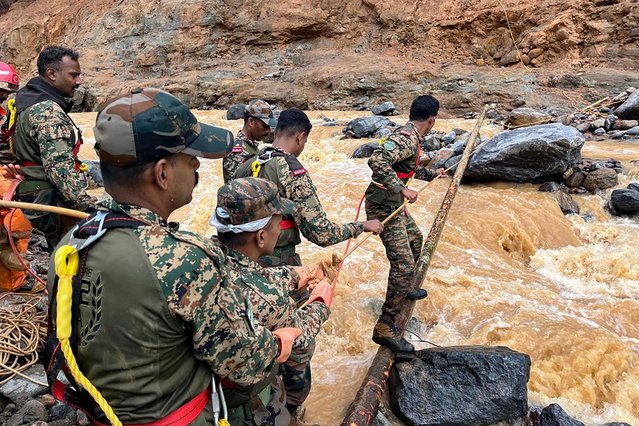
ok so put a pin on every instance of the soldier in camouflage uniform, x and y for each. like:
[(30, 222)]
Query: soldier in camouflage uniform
[(247, 219), (258, 118), (394, 163), (159, 312), (46, 142), (279, 164)]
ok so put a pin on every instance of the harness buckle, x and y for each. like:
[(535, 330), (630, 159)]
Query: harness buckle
[(81, 243)]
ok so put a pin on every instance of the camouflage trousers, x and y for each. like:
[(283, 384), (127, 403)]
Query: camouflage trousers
[(403, 243), (263, 410), (296, 371)]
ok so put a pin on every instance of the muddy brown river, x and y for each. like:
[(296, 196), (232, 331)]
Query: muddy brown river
[(510, 270)]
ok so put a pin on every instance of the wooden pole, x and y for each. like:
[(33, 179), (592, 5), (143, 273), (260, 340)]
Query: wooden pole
[(43, 208), (364, 408)]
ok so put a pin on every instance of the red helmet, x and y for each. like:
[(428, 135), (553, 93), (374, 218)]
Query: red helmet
[(9, 80)]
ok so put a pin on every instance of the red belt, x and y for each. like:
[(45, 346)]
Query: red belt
[(26, 163), (182, 416), (403, 175), (287, 224)]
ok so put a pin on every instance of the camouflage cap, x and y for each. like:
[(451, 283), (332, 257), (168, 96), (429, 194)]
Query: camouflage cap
[(261, 110), (146, 125), (250, 199)]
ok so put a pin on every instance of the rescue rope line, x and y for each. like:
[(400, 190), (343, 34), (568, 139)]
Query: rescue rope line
[(66, 261), (22, 335), (510, 30)]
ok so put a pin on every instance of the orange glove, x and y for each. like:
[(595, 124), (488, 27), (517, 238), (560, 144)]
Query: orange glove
[(285, 338), (322, 292)]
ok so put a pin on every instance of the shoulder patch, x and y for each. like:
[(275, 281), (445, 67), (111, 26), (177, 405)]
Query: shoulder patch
[(296, 167), (389, 145)]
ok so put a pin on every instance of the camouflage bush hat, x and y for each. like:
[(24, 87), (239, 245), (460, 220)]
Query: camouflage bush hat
[(146, 125), (261, 110), (248, 201)]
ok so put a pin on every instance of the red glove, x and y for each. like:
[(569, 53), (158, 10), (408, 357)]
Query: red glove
[(322, 292), (285, 338)]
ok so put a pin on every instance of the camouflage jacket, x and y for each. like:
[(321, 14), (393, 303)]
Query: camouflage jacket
[(195, 289), (398, 153), (46, 135), (294, 183), (243, 149), (268, 290)]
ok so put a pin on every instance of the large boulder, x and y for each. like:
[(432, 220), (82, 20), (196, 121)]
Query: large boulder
[(363, 127), (624, 201), (520, 117), (629, 110), (471, 385), (528, 154), (386, 108)]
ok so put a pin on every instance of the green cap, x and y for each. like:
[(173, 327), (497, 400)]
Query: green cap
[(249, 199), (146, 125)]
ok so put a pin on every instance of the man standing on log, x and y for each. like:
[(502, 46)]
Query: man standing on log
[(394, 163), (46, 142), (257, 121), (279, 164)]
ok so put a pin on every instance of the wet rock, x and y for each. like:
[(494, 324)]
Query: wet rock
[(552, 187), (33, 411), (19, 390), (47, 400), (62, 412), (366, 126), (583, 127), (449, 138), (431, 143), (460, 386), (364, 151), (525, 117), (633, 186), (440, 159), (634, 131), (452, 163), (600, 179), (528, 154), (617, 134), (599, 132), (625, 124), (235, 112), (458, 147), (554, 415), (566, 203), (387, 108), (600, 122), (629, 110), (624, 202)]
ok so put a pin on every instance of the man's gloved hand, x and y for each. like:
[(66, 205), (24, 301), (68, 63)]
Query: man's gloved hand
[(285, 338), (322, 292)]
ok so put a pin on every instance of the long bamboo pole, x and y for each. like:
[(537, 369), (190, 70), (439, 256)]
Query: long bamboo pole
[(43, 208), (364, 407)]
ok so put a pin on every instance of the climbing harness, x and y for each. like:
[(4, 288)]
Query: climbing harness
[(81, 391)]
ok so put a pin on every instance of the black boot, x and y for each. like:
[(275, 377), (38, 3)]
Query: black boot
[(387, 335), (417, 294)]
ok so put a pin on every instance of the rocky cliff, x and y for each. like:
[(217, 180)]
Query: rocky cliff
[(334, 54)]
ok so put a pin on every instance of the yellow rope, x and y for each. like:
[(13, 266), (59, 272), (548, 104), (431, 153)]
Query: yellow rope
[(11, 104), (66, 267), (511, 34)]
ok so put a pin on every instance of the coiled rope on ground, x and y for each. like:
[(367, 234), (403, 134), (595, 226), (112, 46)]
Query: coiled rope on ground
[(23, 328)]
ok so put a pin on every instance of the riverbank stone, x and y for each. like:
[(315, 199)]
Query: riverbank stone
[(461, 385), (365, 150), (629, 110), (235, 112)]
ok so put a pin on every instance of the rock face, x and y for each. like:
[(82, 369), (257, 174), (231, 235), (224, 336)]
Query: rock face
[(323, 54), (235, 112), (459, 386), (528, 154), (554, 415), (526, 117), (629, 110)]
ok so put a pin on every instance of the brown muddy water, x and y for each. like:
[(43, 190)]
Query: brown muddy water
[(510, 270)]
